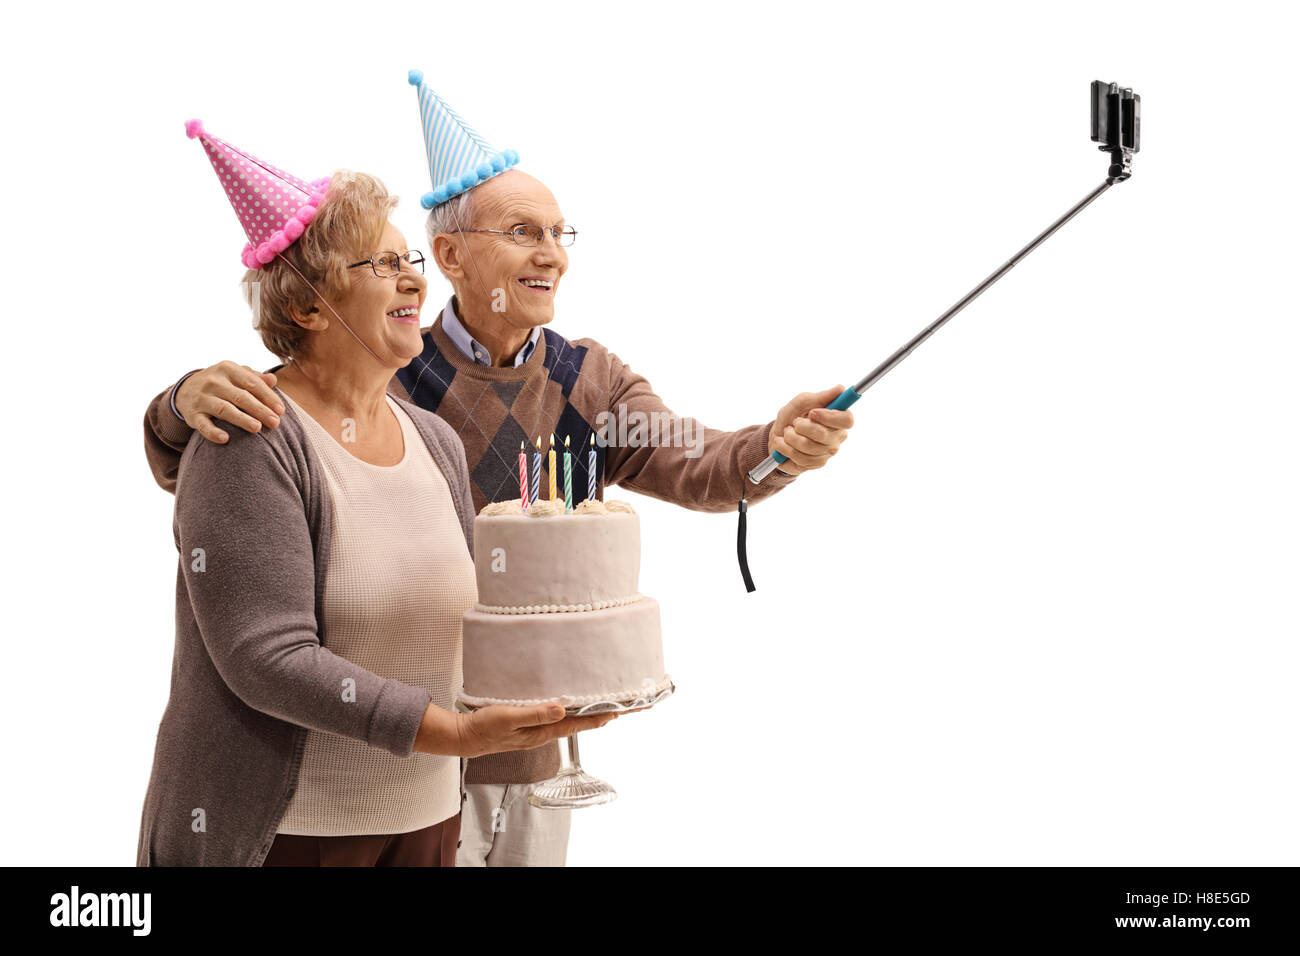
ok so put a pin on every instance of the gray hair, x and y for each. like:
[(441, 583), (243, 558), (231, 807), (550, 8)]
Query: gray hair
[(451, 215)]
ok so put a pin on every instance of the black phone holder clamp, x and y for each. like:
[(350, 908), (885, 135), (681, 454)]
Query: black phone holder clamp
[(1117, 125)]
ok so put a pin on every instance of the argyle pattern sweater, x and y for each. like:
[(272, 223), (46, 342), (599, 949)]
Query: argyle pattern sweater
[(562, 390)]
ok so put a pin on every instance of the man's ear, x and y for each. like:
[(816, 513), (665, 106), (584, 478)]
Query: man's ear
[(448, 255)]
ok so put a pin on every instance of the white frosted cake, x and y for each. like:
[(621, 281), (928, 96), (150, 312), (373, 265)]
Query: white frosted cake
[(559, 615)]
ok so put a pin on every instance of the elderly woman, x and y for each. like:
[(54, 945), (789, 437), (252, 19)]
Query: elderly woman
[(324, 568)]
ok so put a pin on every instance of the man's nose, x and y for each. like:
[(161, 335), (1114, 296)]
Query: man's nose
[(550, 249)]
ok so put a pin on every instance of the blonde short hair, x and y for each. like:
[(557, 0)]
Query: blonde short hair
[(347, 227)]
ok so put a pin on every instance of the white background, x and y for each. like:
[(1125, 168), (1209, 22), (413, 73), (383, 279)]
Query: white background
[(1042, 607)]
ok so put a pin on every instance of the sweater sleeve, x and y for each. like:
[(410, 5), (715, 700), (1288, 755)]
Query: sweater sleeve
[(703, 470), (249, 573), (165, 438)]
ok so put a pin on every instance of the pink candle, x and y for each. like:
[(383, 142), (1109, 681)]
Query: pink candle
[(523, 476)]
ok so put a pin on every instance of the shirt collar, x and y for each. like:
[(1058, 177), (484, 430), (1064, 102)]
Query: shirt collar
[(474, 350)]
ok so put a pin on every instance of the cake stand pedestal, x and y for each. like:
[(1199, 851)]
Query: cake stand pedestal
[(573, 787)]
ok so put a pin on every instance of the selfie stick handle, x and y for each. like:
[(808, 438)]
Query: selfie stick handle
[(851, 395)]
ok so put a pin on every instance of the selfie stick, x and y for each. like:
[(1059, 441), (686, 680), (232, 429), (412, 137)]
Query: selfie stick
[(1115, 124)]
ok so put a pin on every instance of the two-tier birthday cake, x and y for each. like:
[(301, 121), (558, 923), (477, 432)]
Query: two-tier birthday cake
[(559, 615)]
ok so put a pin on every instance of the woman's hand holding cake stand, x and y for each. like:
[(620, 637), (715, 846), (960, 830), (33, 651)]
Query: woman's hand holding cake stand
[(499, 728)]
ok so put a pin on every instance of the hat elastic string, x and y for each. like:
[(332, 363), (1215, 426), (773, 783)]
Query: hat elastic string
[(478, 275), (332, 309)]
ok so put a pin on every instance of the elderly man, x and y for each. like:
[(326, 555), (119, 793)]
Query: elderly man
[(500, 377)]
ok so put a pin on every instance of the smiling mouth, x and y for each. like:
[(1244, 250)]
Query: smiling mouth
[(407, 316), (544, 286)]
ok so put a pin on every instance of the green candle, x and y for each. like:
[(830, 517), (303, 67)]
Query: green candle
[(568, 477)]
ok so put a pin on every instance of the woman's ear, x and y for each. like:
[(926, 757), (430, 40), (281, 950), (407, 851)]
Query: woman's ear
[(312, 318)]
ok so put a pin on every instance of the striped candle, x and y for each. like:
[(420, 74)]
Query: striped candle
[(591, 469), (568, 477), (537, 470), (523, 477), (550, 468)]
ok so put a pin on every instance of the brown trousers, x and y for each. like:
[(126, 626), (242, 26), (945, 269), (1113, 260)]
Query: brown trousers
[(432, 846)]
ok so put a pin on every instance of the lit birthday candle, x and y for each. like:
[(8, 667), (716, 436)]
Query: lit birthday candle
[(568, 477), (550, 468), (591, 469), (523, 477), (537, 470)]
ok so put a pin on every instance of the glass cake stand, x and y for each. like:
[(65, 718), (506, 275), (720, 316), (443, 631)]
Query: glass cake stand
[(572, 787)]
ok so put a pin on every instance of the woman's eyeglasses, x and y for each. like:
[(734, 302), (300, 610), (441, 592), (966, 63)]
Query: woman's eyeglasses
[(388, 264)]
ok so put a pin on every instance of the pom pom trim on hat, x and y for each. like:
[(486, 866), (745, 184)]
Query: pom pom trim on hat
[(194, 128), (254, 257), (492, 166)]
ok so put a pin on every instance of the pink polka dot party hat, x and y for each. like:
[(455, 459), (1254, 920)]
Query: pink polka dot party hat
[(273, 206)]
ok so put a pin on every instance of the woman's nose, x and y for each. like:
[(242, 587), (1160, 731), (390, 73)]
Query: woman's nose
[(411, 279)]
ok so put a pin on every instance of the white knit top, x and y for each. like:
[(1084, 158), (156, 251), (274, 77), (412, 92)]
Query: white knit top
[(400, 576)]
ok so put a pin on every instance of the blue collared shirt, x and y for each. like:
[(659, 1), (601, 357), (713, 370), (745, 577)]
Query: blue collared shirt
[(473, 349)]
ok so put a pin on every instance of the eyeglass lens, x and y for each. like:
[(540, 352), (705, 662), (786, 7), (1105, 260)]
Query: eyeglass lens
[(532, 235), (389, 264)]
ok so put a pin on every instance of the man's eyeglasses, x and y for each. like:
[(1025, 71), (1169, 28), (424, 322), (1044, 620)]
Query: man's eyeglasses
[(533, 235), (388, 264)]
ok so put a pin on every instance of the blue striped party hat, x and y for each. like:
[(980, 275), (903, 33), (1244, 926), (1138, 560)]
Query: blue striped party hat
[(459, 158)]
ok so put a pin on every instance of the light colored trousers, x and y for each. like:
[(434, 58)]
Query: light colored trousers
[(499, 827)]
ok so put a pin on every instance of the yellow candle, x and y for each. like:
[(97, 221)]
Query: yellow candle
[(550, 467)]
